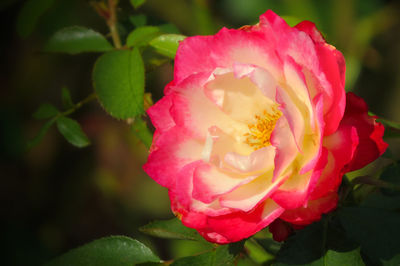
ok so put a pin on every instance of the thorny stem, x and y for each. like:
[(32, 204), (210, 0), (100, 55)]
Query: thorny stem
[(78, 105), (112, 23), (364, 180), (367, 180)]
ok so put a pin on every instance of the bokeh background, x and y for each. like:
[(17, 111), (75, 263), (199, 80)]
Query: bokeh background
[(55, 197)]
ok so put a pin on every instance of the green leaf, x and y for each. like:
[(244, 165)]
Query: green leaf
[(142, 36), (395, 261), (66, 98), (377, 230), (303, 247), (222, 255), (270, 245), (45, 111), (315, 243), (77, 39), (114, 250), (72, 132), (30, 14), (334, 258), (207, 258), (167, 44), (139, 20), (256, 252), (137, 3), (118, 78), (173, 229), (142, 132), (42, 132)]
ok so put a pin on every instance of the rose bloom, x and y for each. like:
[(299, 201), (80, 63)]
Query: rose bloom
[(256, 126)]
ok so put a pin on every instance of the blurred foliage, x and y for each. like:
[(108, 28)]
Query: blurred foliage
[(56, 197)]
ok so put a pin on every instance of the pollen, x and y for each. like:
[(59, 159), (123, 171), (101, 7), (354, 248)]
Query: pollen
[(259, 134)]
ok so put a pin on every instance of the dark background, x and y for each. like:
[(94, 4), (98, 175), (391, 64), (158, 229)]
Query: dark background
[(55, 197)]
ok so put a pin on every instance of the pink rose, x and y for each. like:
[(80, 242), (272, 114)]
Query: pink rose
[(256, 126)]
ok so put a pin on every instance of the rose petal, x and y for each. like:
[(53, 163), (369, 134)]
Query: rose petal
[(286, 149), (236, 226), (172, 151), (341, 147), (312, 212), (296, 190), (258, 161), (247, 196), (280, 230), (160, 116), (182, 194), (333, 66), (205, 148), (370, 132), (209, 182), (206, 53), (242, 99), (195, 112)]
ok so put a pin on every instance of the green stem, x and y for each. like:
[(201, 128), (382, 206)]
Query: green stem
[(346, 189), (367, 180), (324, 238), (78, 105)]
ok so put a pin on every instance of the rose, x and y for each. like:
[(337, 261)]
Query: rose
[(256, 126)]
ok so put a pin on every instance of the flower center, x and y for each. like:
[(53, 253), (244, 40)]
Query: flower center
[(260, 132)]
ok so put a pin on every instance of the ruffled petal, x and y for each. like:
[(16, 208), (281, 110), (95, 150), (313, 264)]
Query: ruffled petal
[(263, 79), (310, 28), (286, 150), (321, 63), (370, 132), (206, 53), (297, 189), (171, 152), (194, 112), (240, 98), (341, 147), (181, 195), (257, 162), (236, 226), (332, 65), (293, 116), (307, 167), (280, 230), (254, 128), (160, 115), (247, 196), (312, 212), (209, 182)]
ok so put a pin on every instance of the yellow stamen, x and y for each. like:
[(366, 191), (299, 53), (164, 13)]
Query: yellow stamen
[(260, 132)]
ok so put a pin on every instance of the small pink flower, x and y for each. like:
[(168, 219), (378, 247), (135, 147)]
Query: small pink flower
[(256, 126)]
